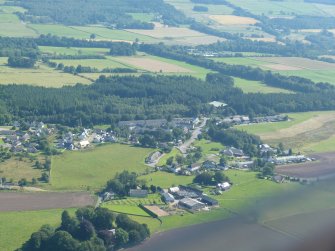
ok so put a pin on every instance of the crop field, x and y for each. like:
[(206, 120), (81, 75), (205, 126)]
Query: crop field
[(39, 76), (249, 86), (153, 65), (18, 169), (233, 20), (323, 167), (91, 169), (16, 227), (172, 35), (72, 51), (283, 8), (315, 70), (310, 132), (15, 201), (11, 26)]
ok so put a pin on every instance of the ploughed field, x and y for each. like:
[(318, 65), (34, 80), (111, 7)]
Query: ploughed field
[(322, 168), (13, 201)]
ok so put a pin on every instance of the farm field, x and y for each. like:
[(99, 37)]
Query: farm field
[(39, 76), (96, 63), (72, 51), (11, 26), (282, 8), (249, 86), (16, 201), (16, 227), (91, 169), (317, 71), (126, 209), (307, 132), (17, 170), (178, 35), (233, 20)]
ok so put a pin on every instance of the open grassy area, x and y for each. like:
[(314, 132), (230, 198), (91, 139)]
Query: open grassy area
[(126, 209), (307, 132), (16, 227), (317, 71), (249, 86), (93, 168), (18, 169), (173, 153), (143, 17), (41, 75), (167, 180), (11, 26), (72, 51), (96, 63)]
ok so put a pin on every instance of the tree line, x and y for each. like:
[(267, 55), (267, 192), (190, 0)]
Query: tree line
[(90, 229)]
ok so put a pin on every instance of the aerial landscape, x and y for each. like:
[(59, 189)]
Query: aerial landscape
[(148, 125)]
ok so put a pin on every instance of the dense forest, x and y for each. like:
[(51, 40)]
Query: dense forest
[(18, 47), (147, 97), (112, 13), (304, 22)]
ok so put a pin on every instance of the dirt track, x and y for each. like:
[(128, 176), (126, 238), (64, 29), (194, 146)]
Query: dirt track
[(323, 167), (20, 201)]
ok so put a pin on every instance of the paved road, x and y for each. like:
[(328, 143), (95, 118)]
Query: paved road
[(197, 131)]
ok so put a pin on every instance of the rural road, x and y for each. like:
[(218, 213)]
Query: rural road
[(197, 131)]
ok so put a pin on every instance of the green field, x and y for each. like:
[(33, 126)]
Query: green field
[(167, 180), (143, 17), (18, 169), (126, 209), (11, 26), (72, 51), (41, 75), (96, 63), (16, 227), (93, 168), (173, 153), (283, 8), (249, 86)]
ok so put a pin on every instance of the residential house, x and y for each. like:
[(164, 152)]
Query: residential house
[(209, 164), (233, 152)]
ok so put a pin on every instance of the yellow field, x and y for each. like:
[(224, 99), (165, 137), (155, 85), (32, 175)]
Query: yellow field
[(233, 20)]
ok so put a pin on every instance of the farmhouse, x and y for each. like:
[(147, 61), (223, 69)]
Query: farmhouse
[(209, 164), (191, 204), (138, 193), (233, 152), (84, 144), (194, 167)]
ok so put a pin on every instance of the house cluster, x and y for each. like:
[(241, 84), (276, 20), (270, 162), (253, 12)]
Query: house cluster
[(244, 120), (18, 141), (138, 126), (71, 141), (282, 160), (188, 198)]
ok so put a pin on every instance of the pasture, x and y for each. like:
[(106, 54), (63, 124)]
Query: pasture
[(16, 227), (91, 169), (18, 169), (41, 75), (249, 86), (166, 180), (72, 51), (95, 63), (11, 26)]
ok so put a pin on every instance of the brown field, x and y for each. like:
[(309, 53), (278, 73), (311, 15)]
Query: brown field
[(152, 65), (233, 20), (323, 167), (169, 32), (302, 63), (280, 67), (157, 210), (311, 124), (16, 201)]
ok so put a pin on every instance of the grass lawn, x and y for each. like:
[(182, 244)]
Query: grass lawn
[(249, 86), (209, 147), (16, 227), (167, 180), (93, 168), (16, 169), (174, 152), (126, 209)]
